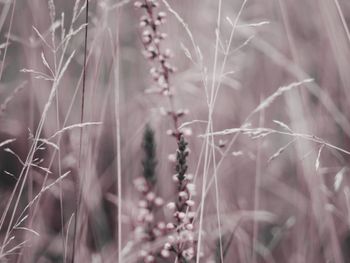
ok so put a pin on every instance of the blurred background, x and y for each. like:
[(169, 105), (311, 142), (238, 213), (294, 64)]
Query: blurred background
[(283, 196)]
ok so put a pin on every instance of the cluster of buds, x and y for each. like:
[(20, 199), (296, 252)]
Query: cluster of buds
[(151, 39), (161, 68), (147, 229), (181, 232), (176, 116)]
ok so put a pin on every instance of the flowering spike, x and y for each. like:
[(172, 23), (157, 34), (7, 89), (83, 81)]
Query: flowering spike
[(149, 162)]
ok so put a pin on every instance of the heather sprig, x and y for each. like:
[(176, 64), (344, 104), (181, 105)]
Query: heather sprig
[(181, 239), (161, 67), (181, 236), (147, 228)]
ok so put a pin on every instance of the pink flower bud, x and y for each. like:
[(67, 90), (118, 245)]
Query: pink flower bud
[(167, 246), (172, 158), (143, 253), (183, 195), (150, 196), (161, 14), (165, 253), (188, 253), (189, 227), (140, 184), (157, 232), (149, 259), (158, 201), (161, 225), (191, 188), (175, 178), (186, 131), (170, 226), (181, 215), (190, 203), (143, 212), (171, 239), (142, 204), (191, 215), (149, 218), (170, 132), (189, 177), (171, 206), (138, 4), (146, 37)]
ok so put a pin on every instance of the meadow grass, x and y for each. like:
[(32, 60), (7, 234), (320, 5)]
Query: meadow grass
[(174, 131)]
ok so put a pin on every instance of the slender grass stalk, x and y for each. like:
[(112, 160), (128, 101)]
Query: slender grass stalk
[(81, 181)]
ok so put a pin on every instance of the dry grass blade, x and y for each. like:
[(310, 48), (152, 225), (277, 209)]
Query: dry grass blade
[(262, 132), (22, 217), (27, 229), (283, 125), (4, 143), (268, 101), (317, 163), (74, 126), (4, 105), (338, 179), (280, 151)]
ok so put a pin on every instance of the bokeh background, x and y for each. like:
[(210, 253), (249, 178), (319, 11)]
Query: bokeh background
[(293, 208)]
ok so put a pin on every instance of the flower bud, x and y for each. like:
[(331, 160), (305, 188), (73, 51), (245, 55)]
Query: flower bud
[(165, 253), (143, 253), (190, 203), (191, 215), (189, 227), (138, 4), (191, 188), (188, 253), (167, 246), (180, 215), (183, 195), (172, 158), (149, 218), (171, 206), (171, 239), (140, 184), (142, 204), (175, 178), (170, 226), (150, 196), (149, 259), (186, 131), (161, 225), (158, 201), (189, 177)]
